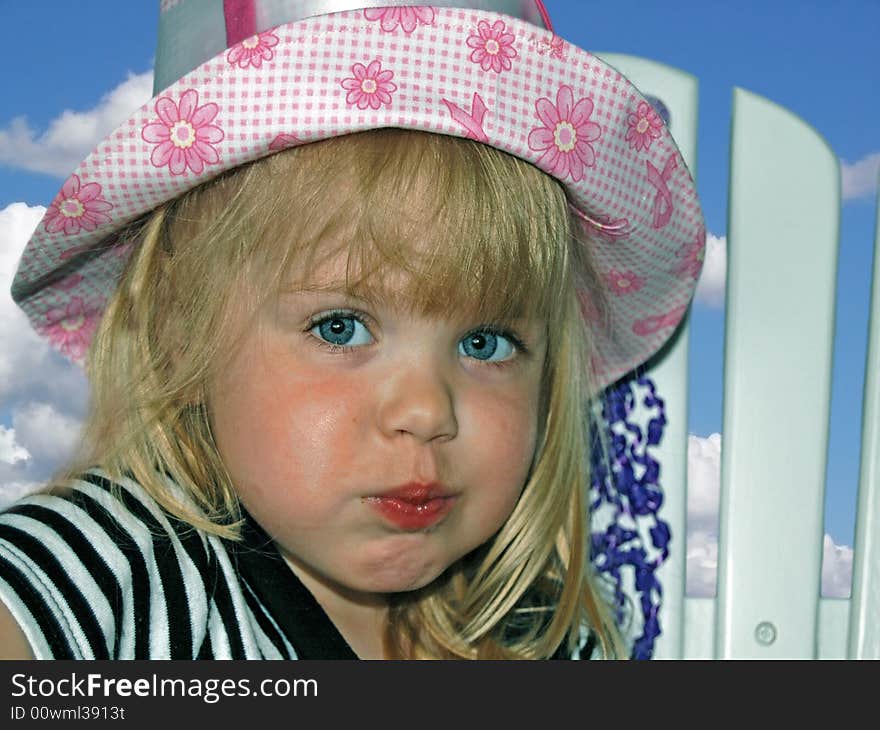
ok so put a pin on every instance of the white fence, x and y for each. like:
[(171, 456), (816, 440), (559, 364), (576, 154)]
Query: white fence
[(783, 225)]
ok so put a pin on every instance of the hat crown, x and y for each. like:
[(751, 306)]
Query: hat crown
[(194, 31)]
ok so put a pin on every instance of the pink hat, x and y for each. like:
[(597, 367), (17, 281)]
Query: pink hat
[(241, 79)]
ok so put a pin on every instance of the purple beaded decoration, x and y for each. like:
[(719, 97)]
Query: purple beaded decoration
[(625, 487)]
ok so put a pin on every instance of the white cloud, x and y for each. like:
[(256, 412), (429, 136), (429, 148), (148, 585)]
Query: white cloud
[(72, 135), (704, 474), (859, 179), (40, 441), (710, 288), (20, 347), (47, 435), (11, 491), (702, 563), (29, 369), (45, 394), (704, 489), (11, 452), (837, 566)]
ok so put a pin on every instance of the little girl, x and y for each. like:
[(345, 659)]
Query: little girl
[(344, 291)]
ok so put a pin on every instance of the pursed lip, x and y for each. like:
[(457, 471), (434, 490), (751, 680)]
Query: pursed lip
[(414, 506), (416, 492)]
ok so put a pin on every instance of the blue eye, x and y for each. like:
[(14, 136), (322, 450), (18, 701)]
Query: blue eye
[(486, 346), (342, 330)]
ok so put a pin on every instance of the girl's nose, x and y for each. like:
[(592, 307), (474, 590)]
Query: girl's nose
[(419, 401)]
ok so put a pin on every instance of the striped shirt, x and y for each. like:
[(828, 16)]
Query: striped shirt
[(104, 573)]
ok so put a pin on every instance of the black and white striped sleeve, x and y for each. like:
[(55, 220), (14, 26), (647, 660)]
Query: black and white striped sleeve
[(100, 573)]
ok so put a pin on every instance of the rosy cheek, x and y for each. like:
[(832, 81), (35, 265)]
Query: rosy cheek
[(270, 419), (505, 430), (312, 424)]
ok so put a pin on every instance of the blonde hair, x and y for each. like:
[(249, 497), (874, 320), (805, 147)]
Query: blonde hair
[(472, 228)]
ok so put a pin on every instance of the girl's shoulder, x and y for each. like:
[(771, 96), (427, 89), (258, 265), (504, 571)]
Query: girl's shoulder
[(97, 569), (105, 513)]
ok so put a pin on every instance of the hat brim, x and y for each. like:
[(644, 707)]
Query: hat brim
[(467, 73)]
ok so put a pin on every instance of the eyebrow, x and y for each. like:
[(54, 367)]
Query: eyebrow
[(331, 287), (518, 318)]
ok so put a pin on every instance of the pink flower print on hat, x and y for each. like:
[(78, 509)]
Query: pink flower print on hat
[(71, 327), (253, 51), (370, 87), (566, 135), (283, 141), (407, 17), (77, 207), (69, 253), (623, 282), (663, 199), (652, 325), (692, 256), (554, 45), (69, 282), (472, 121), (184, 136), (644, 127), (493, 46)]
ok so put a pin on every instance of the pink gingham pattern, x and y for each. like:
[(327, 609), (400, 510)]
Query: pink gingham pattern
[(556, 106)]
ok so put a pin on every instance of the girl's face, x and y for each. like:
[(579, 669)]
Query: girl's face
[(377, 446)]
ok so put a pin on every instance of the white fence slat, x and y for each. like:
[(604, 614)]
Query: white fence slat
[(678, 91), (833, 623), (864, 636), (784, 210), (699, 622)]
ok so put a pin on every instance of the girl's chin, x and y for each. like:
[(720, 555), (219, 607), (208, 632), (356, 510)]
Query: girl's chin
[(373, 577), (395, 584), (398, 579)]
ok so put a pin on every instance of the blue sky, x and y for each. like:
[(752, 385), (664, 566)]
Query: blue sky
[(814, 58)]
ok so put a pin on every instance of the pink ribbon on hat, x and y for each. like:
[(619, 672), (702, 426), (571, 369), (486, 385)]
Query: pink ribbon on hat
[(241, 20), (472, 121), (663, 199), (545, 16), (179, 50), (651, 325), (241, 15)]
